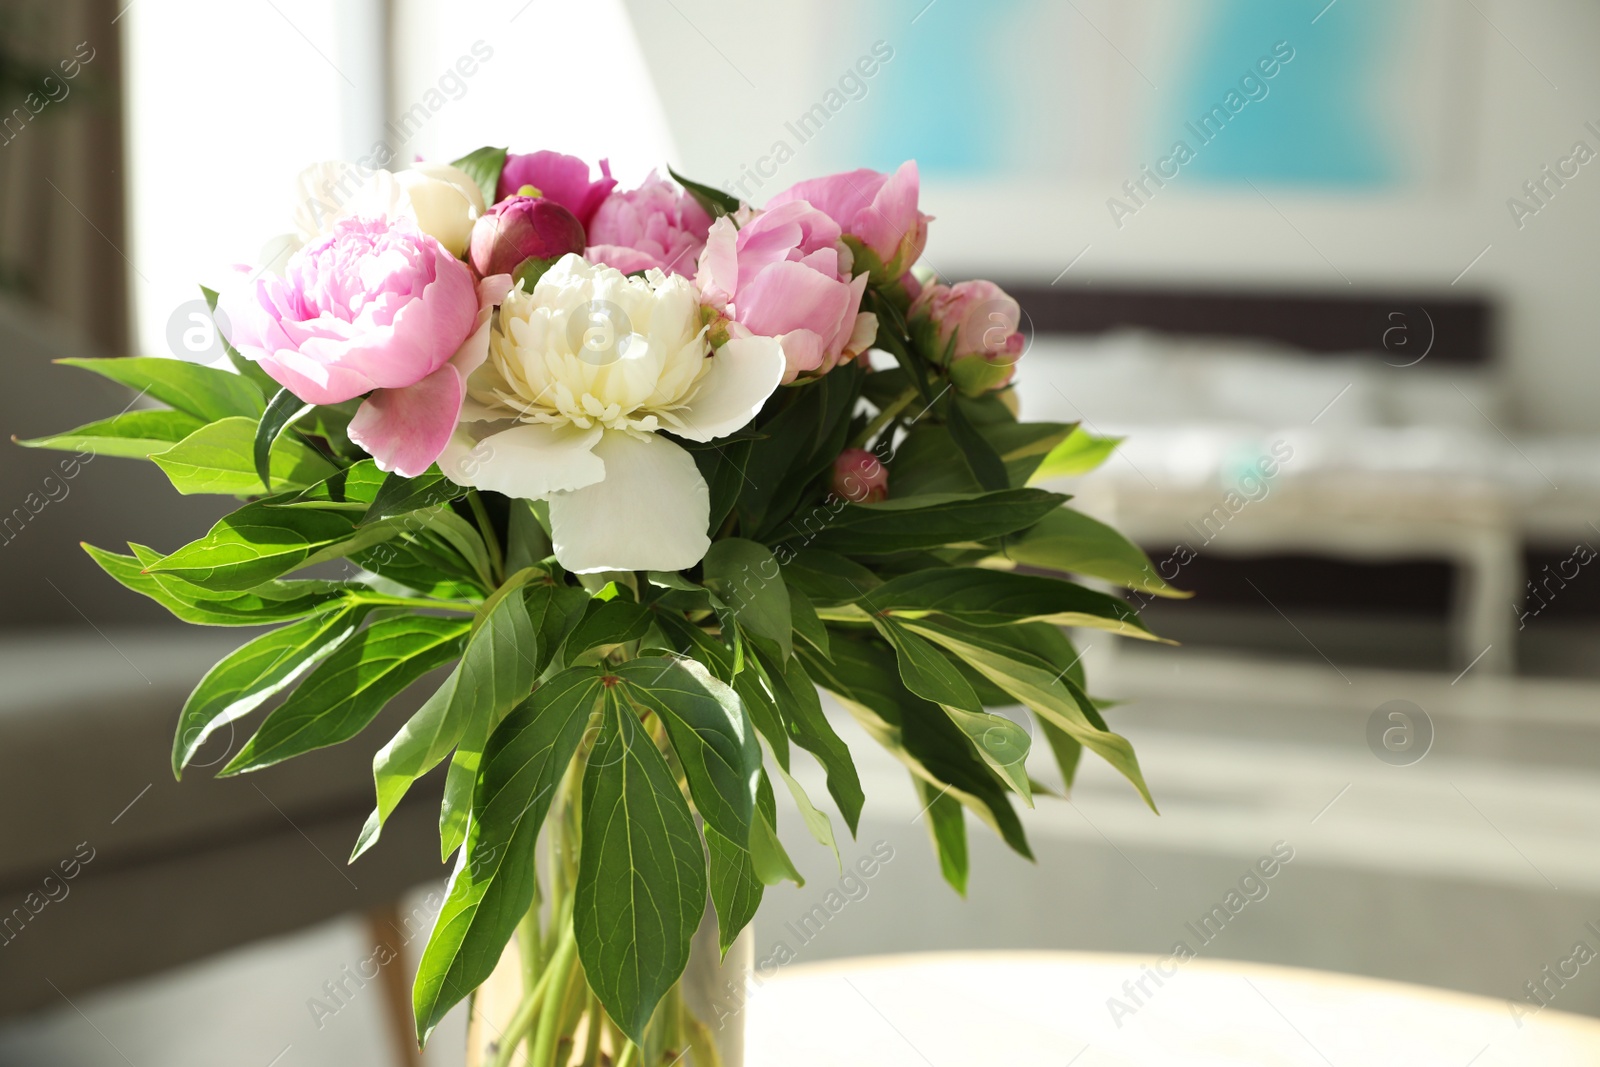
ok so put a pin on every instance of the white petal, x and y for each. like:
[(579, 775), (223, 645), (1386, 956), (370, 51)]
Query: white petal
[(530, 461), (444, 172), (743, 373), (649, 514), (318, 200)]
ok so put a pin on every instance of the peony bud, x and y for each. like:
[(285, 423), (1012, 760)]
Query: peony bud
[(523, 227), (985, 372), (859, 478), (973, 325)]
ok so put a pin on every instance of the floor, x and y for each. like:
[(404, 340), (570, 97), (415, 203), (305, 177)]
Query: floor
[(1471, 867)]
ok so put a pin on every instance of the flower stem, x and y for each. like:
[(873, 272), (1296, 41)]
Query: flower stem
[(385, 600), (564, 966), (528, 1010), (591, 1050), (884, 417), (497, 562)]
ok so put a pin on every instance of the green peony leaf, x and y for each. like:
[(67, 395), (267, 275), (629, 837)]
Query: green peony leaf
[(768, 859), (735, 889), (484, 166), (980, 456), (497, 669), (795, 696), (928, 461), (605, 624), (283, 410), (986, 597), (339, 698), (817, 822), (641, 886), (803, 616), (1079, 454), (349, 489), (254, 672), (1066, 749), (1043, 688), (527, 544), (206, 393), (933, 521), (827, 578), (133, 434), (745, 576), (399, 495), (496, 672), (259, 542), (948, 828), (1001, 743), (864, 676), (710, 732), (495, 876), (218, 458), (190, 603), (716, 202), (1070, 541)]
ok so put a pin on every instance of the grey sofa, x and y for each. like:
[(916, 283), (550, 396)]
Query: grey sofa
[(110, 869)]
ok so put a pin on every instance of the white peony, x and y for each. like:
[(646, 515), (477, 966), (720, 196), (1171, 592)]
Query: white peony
[(443, 200), (582, 372)]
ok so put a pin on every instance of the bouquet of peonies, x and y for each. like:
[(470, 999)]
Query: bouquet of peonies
[(621, 457)]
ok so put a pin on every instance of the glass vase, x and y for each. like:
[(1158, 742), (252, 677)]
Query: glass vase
[(537, 1010)]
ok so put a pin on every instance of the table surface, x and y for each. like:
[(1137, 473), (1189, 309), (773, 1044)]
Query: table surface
[(1071, 1009)]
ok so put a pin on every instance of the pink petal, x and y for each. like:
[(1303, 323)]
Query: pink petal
[(789, 296), (405, 430), (719, 263), (839, 196), (892, 215), (627, 260)]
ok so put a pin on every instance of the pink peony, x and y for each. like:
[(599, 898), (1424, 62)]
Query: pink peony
[(375, 307), (877, 212), (564, 179), (973, 325), (656, 225), (859, 477), (519, 228), (786, 274)]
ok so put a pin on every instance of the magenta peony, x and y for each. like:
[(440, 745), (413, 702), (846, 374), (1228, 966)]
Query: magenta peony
[(519, 228), (564, 179)]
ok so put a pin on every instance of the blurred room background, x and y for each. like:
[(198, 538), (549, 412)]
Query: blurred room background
[(1348, 328)]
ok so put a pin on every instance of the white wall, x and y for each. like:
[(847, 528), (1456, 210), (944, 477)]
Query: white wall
[(562, 76), (225, 104), (731, 75)]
